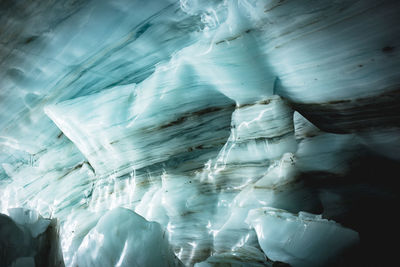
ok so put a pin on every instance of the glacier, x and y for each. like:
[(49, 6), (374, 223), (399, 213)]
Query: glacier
[(199, 132)]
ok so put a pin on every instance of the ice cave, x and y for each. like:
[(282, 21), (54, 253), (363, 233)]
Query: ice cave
[(199, 133)]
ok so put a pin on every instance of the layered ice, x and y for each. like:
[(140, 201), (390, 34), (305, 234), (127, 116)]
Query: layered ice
[(165, 133)]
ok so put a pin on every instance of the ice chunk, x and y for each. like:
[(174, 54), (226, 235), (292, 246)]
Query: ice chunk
[(123, 238), (301, 240)]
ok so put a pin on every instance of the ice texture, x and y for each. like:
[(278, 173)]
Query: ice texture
[(301, 240), (123, 238), (207, 133)]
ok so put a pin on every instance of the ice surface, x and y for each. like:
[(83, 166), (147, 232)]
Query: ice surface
[(123, 238), (219, 132), (301, 240)]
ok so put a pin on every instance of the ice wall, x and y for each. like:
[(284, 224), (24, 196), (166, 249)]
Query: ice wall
[(234, 128)]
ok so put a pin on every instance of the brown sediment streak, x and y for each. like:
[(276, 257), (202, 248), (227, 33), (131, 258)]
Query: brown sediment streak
[(352, 115), (198, 113)]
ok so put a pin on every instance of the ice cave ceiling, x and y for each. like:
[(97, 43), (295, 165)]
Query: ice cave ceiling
[(199, 132)]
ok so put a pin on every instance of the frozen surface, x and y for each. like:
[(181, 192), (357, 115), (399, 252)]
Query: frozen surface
[(123, 238), (193, 130), (302, 240)]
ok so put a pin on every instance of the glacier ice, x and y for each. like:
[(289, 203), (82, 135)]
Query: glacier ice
[(198, 133), (293, 239), (123, 238)]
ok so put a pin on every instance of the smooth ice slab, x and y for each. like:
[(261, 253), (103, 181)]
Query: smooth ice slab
[(123, 238), (301, 240)]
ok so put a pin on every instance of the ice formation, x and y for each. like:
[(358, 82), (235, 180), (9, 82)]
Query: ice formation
[(198, 133)]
